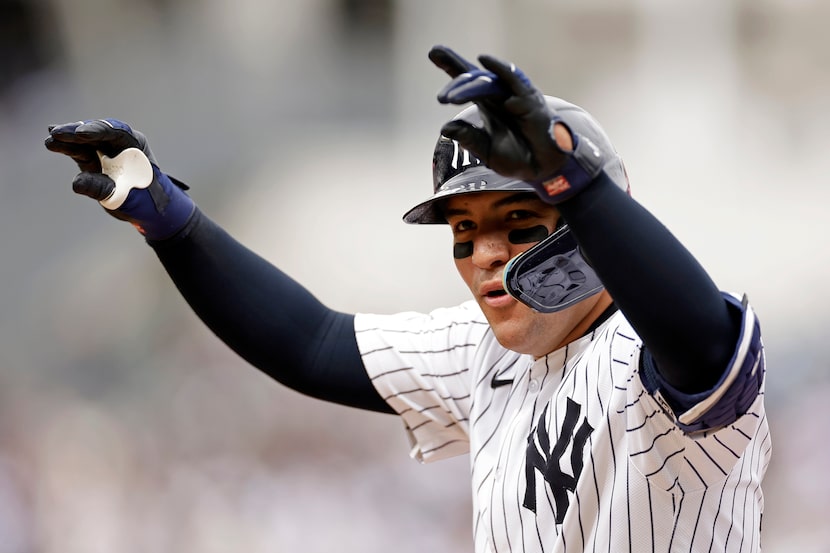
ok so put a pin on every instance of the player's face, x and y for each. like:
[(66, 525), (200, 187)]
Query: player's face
[(490, 228)]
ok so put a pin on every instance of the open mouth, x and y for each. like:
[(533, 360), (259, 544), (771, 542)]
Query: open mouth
[(495, 293)]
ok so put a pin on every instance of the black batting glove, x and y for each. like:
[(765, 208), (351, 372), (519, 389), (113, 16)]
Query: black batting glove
[(517, 138), (119, 170)]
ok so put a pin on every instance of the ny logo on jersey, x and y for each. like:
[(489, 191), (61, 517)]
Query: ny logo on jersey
[(547, 460)]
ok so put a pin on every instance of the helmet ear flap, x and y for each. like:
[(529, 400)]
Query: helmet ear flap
[(552, 275)]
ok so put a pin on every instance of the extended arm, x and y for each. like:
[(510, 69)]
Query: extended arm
[(664, 292), (261, 313), (267, 317)]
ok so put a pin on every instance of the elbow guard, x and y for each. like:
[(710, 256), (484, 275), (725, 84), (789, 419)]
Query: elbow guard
[(734, 392)]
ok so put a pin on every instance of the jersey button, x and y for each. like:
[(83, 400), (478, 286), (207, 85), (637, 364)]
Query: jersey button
[(533, 385)]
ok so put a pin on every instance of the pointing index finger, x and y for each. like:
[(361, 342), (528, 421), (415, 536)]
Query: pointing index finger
[(447, 59)]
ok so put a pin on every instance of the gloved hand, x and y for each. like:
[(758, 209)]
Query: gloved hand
[(119, 170), (522, 136)]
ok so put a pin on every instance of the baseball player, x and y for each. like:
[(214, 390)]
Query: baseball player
[(609, 396)]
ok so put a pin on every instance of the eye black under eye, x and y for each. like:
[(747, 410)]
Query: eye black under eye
[(528, 235), (460, 250)]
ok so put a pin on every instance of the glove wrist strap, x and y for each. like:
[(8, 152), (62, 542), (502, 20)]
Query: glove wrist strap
[(580, 169)]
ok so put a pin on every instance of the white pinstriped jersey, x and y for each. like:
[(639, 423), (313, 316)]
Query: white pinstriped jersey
[(569, 452)]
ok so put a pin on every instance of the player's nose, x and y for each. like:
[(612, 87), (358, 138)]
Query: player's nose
[(490, 251)]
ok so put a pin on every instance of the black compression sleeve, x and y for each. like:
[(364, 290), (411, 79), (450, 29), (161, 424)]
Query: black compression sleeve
[(266, 317), (666, 295)]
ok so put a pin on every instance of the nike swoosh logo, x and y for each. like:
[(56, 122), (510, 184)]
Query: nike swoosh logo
[(496, 382)]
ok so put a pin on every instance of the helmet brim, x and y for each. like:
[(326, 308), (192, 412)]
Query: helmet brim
[(473, 181)]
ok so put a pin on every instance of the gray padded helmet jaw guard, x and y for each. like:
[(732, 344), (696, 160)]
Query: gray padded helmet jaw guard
[(551, 275)]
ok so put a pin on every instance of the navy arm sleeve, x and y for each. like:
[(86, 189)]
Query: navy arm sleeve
[(266, 317), (667, 296)]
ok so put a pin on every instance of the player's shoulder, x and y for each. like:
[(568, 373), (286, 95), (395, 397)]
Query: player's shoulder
[(467, 309), (467, 313)]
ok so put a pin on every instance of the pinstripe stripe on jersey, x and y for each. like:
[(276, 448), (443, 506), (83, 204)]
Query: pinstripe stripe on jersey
[(644, 485)]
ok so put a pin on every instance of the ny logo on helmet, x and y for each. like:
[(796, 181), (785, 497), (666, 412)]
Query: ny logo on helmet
[(461, 158), (449, 160)]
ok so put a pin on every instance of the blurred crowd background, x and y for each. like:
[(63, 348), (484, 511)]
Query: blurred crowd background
[(306, 129)]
